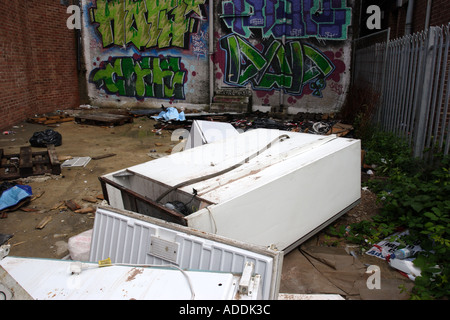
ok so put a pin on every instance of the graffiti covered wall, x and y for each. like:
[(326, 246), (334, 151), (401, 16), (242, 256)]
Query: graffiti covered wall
[(293, 54), (146, 52)]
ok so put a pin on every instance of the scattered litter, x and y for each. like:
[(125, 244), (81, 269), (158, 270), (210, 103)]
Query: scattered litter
[(76, 162), (14, 196), (85, 210), (340, 129), (29, 209), (59, 205), (406, 266), (103, 119), (89, 199), (388, 248), (64, 158), (43, 222), (4, 238), (80, 245), (72, 205), (45, 138), (170, 113), (104, 156), (50, 119), (87, 107), (144, 112)]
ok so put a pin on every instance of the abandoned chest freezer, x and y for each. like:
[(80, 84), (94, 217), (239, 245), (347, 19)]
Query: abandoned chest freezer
[(266, 187)]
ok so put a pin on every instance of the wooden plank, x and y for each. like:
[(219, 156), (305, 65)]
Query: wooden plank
[(43, 222), (25, 162), (53, 158), (104, 156), (29, 163), (72, 205), (103, 119)]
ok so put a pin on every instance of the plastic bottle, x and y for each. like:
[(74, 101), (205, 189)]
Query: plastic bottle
[(402, 254)]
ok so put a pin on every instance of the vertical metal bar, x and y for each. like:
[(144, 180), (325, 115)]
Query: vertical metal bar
[(383, 80), (422, 112), (395, 106), (389, 113), (444, 118), (445, 71), (417, 91), (406, 87), (434, 112), (410, 85), (414, 40)]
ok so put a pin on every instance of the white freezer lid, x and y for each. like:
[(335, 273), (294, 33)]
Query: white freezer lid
[(133, 238), (52, 279), (281, 158)]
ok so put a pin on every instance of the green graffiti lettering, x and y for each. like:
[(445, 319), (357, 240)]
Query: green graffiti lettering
[(151, 77), (147, 23), (110, 17), (277, 67)]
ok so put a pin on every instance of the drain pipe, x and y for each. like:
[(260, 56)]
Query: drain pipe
[(409, 17), (427, 19), (211, 52)]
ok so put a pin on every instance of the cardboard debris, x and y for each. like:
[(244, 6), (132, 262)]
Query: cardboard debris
[(340, 129), (331, 270)]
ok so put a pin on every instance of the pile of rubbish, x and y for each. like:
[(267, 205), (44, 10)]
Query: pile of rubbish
[(324, 124)]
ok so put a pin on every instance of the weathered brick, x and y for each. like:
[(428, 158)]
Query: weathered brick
[(37, 60)]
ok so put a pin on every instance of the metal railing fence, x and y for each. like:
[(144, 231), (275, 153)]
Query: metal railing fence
[(411, 75)]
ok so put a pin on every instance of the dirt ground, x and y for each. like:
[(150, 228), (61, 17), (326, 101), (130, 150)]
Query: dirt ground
[(131, 143)]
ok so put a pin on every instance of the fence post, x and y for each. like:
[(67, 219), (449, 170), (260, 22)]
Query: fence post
[(426, 88)]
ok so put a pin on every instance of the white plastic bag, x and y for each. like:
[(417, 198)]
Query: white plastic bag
[(80, 246)]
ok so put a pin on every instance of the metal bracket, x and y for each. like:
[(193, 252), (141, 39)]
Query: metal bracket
[(246, 278)]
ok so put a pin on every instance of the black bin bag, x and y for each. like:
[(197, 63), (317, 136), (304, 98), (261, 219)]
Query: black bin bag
[(44, 138)]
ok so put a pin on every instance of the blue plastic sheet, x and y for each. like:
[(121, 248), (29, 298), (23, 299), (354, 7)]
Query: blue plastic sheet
[(14, 195), (170, 113)]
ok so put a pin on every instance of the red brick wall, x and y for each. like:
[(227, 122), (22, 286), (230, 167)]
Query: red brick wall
[(440, 13), (38, 60)]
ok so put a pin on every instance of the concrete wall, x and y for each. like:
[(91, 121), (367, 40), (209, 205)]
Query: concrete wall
[(290, 55), (38, 60)]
